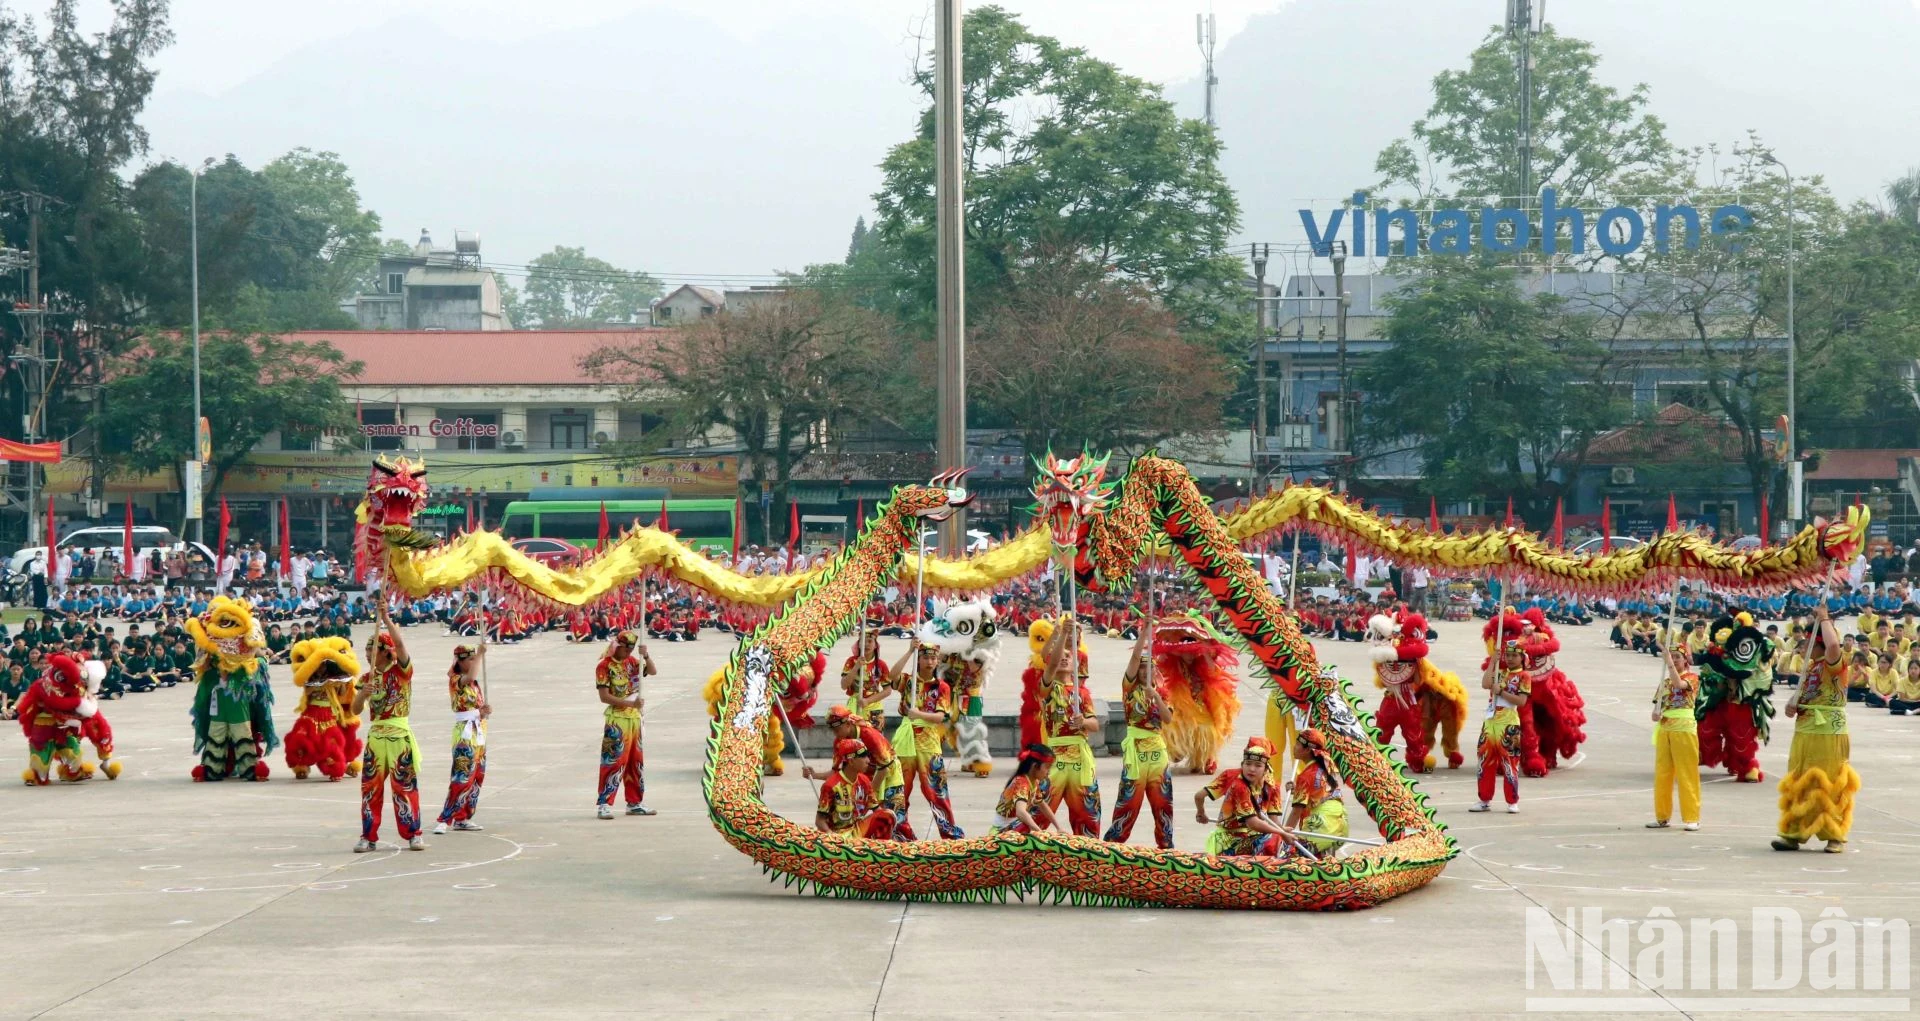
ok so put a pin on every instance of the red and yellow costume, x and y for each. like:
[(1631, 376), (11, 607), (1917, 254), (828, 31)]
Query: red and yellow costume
[(468, 772), (917, 742), (1419, 700), (848, 804), (870, 686), (1500, 734), (1073, 778), (326, 734), (621, 760), (883, 766), (1552, 721), (1033, 677), (1146, 773), (1194, 667), (52, 715), (392, 757), (1676, 747), (1242, 801)]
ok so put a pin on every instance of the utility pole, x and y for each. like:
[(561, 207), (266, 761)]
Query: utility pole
[(35, 328), (1261, 252), (950, 262), (1340, 415), (1520, 25), (193, 230), (1203, 33)]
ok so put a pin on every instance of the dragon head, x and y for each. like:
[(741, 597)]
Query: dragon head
[(1069, 492), (1190, 633), (228, 632), (396, 491), (331, 659), (942, 495)]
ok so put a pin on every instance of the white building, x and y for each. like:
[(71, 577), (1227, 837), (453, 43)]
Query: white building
[(433, 289)]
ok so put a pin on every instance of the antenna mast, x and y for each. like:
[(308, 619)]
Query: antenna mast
[(1204, 35)]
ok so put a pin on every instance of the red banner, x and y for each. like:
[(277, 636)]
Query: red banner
[(38, 453)]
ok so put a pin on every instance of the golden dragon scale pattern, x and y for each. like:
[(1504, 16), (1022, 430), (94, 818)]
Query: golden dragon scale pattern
[(1807, 559)]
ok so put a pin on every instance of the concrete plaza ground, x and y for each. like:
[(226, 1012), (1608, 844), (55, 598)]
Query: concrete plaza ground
[(153, 897)]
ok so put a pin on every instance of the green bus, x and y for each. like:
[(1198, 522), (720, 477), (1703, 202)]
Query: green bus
[(704, 524)]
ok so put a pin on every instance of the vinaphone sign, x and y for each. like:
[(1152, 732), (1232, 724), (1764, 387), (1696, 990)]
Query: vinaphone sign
[(1615, 231)]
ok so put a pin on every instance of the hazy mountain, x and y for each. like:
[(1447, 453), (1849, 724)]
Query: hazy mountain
[(1310, 93)]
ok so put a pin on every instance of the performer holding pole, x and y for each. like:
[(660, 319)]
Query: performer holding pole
[(1816, 795), (392, 757), (1676, 739), (1507, 684), (618, 679), (466, 688)]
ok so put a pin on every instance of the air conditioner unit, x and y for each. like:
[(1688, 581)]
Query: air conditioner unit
[(509, 438), (1620, 475), (601, 439)]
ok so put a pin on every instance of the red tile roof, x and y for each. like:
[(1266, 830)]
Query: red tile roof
[(477, 358), (1677, 434), (1877, 464)]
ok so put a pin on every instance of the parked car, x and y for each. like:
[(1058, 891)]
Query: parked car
[(1620, 542), (550, 552), (94, 540)]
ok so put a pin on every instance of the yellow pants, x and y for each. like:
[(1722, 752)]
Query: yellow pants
[(1676, 762)]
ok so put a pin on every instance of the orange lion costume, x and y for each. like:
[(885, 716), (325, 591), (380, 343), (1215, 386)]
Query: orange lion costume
[(1194, 668)]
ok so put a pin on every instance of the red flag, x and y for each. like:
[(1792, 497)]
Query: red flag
[(739, 519), (286, 539), (1765, 537), (1673, 515), (663, 514), (1433, 515), (1353, 566), (793, 525), (1509, 511), (52, 539), (469, 515), (859, 516), (126, 554), (359, 554), (1559, 523), (226, 521), (358, 415), (1606, 525), (602, 544)]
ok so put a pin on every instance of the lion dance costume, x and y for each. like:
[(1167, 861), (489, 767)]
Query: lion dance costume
[(1734, 710), (1195, 668), (55, 713), (1552, 720), (232, 701), (326, 734), (1421, 701), (968, 642)]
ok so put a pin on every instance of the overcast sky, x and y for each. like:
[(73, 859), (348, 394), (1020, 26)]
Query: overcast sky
[(725, 140)]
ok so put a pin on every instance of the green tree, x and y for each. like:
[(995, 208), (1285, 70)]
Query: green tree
[(1062, 151), (1115, 374), (569, 288), (1586, 134), (778, 374), (251, 385), (1484, 382)]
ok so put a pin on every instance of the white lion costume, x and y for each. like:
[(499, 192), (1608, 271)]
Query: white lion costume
[(967, 640)]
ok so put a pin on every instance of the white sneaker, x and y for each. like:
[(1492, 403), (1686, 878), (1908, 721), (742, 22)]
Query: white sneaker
[(439, 828), (364, 846), (1513, 809), (1481, 807), (639, 810), (1691, 826), (417, 844), (1657, 824), (605, 812), (464, 826)]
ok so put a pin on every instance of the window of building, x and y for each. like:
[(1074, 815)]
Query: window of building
[(666, 312), (375, 421), (706, 310), (568, 431), (396, 282), (465, 424)]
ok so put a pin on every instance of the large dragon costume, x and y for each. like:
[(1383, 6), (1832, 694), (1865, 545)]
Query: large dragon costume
[(1158, 508)]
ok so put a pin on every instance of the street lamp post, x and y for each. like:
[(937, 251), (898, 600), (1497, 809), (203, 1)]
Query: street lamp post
[(1794, 481), (193, 232)]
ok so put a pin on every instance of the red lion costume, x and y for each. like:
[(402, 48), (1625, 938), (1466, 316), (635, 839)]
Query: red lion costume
[(1425, 704), (1552, 720)]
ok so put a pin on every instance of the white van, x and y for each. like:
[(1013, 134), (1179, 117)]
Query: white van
[(96, 539)]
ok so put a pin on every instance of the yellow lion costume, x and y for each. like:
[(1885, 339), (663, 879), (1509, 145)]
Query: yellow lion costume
[(326, 734)]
